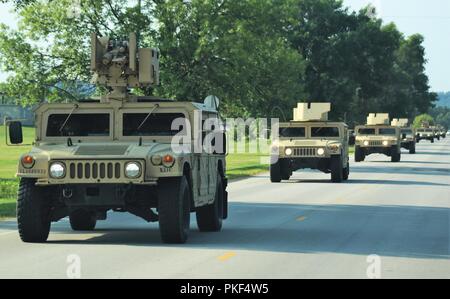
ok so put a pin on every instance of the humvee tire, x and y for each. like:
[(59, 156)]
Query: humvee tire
[(209, 218), (432, 140), (82, 220), (359, 154), (347, 171), (395, 156), (275, 172), (174, 200), (337, 171), (412, 148), (33, 213)]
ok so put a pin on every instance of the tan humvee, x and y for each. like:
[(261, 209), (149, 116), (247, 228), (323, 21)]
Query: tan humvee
[(442, 131), (378, 136), (311, 141), (426, 132), (118, 154), (408, 134)]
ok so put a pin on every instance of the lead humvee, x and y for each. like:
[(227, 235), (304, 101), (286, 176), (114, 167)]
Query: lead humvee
[(378, 136), (311, 141), (117, 154), (408, 134)]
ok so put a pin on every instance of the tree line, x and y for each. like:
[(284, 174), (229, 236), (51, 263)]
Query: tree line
[(260, 57)]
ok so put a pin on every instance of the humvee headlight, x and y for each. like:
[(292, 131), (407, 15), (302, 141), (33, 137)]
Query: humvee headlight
[(157, 160), (57, 170), (133, 170), (288, 152), (385, 143), (366, 143), (321, 152), (168, 161), (28, 162)]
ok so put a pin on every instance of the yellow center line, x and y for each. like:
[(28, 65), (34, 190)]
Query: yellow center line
[(226, 256), (302, 218)]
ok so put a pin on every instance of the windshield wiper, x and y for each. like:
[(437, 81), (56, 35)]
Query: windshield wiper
[(147, 117), (75, 107)]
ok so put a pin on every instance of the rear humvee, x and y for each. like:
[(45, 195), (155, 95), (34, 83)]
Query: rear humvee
[(408, 134), (311, 141), (378, 136)]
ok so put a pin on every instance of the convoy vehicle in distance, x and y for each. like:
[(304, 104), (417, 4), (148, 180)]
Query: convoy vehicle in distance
[(443, 132), (378, 136), (116, 154), (311, 141), (408, 134), (425, 133)]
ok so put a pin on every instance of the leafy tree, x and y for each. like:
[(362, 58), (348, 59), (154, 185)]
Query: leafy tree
[(423, 118)]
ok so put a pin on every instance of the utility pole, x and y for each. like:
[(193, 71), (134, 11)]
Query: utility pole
[(138, 31)]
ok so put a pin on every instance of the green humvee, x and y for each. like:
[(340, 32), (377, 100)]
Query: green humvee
[(118, 154)]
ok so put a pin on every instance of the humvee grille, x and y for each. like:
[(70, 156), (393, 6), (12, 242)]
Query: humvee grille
[(95, 170), (305, 152), (376, 143)]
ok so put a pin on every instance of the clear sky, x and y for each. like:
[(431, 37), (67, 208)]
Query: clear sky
[(431, 18)]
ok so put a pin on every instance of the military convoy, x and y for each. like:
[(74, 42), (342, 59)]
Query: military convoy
[(378, 136), (116, 154), (311, 141), (408, 134)]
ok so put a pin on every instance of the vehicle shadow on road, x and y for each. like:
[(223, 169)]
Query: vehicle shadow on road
[(397, 231), (403, 170)]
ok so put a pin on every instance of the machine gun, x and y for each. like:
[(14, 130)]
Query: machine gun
[(120, 65)]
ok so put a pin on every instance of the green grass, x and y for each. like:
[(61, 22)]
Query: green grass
[(243, 165), (9, 157)]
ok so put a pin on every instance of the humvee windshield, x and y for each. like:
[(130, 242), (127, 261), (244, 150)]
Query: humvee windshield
[(324, 132), (407, 131), (293, 132), (386, 131), (367, 131), (158, 124), (79, 125)]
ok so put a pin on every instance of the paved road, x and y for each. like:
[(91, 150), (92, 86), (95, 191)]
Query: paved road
[(304, 228)]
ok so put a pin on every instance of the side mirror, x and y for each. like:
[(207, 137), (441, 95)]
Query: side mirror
[(15, 132)]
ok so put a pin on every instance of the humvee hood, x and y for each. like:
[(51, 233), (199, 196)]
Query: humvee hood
[(308, 142), (99, 150)]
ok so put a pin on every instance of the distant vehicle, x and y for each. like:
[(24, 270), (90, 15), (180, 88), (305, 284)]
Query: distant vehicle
[(116, 154), (408, 134), (311, 141), (378, 137), (425, 134)]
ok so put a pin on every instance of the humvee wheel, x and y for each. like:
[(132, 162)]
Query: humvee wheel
[(209, 218), (82, 220), (174, 199), (395, 156), (275, 172), (412, 148), (432, 140), (347, 171), (337, 170), (33, 213), (359, 154)]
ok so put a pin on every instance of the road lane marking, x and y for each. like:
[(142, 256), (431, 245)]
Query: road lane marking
[(226, 256), (301, 219)]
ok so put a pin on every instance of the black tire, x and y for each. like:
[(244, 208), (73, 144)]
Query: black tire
[(432, 140), (174, 200), (337, 170), (412, 148), (395, 155), (285, 170), (210, 217), (359, 154), (33, 213), (347, 171), (275, 172), (82, 220)]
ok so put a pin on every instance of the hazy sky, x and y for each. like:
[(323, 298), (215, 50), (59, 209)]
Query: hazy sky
[(431, 18)]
